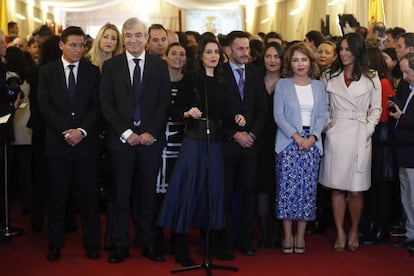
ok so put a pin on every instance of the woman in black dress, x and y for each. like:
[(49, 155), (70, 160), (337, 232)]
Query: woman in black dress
[(266, 176), (184, 206)]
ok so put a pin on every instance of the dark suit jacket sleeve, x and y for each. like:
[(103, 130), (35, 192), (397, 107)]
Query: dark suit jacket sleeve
[(88, 103), (156, 96), (261, 106), (52, 80), (115, 96), (405, 126), (182, 100)]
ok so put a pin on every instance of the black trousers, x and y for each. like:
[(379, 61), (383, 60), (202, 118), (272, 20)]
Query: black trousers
[(65, 171), (135, 176), (240, 174)]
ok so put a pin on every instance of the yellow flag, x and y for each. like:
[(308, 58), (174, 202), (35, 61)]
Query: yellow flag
[(3, 16), (376, 11)]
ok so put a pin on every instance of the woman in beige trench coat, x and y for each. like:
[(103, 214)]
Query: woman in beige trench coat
[(354, 110)]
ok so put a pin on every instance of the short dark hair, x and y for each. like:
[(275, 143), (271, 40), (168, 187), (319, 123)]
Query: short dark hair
[(43, 31), (11, 24), (235, 34), (395, 32), (272, 35), (156, 27), (71, 30), (316, 37), (408, 39)]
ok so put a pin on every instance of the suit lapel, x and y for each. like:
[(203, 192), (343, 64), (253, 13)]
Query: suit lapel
[(343, 91)]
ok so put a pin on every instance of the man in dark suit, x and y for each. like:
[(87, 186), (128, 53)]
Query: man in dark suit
[(242, 128), (68, 100), (404, 45), (404, 141), (134, 97)]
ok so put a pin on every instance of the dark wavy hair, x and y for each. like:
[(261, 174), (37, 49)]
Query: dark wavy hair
[(358, 48), (279, 49), (200, 70)]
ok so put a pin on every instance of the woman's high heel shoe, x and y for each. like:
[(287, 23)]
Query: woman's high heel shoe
[(287, 249), (339, 246), (353, 246), (298, 249)]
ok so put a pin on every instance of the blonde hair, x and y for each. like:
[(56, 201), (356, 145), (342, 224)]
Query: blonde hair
[(96, 55)]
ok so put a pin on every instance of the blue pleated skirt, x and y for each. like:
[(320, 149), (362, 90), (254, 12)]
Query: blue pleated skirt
[(184, 205)]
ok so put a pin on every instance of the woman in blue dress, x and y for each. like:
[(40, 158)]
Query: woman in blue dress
[(184, 206), (300, 112)]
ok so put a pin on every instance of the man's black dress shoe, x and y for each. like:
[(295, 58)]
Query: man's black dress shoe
[(92, 253), (151, 254), (397, 231), (118, 255), (405, 243), (248, 250), (54, 254)]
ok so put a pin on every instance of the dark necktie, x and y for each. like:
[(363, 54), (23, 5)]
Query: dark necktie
[(136, 85), (240, 83), (71, 83)]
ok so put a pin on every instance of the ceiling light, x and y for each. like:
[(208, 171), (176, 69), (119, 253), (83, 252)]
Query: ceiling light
[(20, 16), (265, 20), (295, 11), (334, 2)]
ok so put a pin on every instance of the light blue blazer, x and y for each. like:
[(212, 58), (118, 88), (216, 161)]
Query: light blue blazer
[(288, 116)]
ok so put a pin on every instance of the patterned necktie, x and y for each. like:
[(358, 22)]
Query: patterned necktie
[(240, 83), (71, 83), (136, 85)]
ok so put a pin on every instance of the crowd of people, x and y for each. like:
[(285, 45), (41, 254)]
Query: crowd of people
[(229, 133)]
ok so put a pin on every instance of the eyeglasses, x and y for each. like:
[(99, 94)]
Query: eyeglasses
[(76, 45)]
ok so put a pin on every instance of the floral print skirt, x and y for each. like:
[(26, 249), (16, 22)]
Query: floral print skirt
[(296, 182)]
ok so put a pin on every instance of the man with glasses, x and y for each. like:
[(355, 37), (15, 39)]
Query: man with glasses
[(68, 100)]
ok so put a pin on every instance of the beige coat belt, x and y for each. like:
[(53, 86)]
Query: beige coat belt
[(360, 116)]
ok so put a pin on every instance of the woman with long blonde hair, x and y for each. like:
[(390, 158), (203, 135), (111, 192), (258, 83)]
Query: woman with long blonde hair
[(106, 45)]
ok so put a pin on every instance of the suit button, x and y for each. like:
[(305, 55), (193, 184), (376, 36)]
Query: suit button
[(73, 113)]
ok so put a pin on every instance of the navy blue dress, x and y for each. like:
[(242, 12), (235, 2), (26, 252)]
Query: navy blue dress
[(184, 205)]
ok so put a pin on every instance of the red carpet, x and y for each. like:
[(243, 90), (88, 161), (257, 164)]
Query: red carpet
[(25, 255)]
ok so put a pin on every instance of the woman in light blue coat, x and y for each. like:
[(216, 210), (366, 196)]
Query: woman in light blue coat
[(300, 112)]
